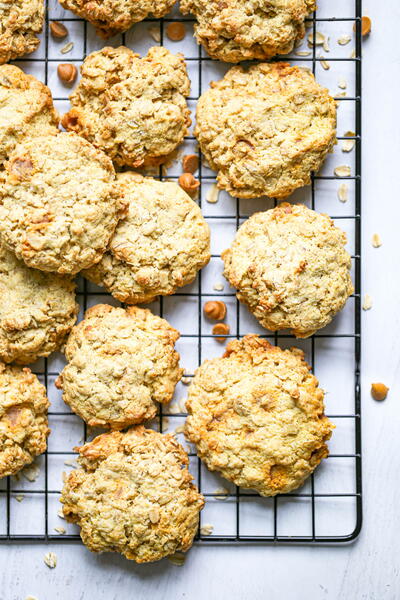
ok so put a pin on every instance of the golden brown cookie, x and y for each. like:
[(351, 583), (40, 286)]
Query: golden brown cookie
[(291, 269), (256, 416), (133, 495), (265, 129), (20, 22), (158, 247)]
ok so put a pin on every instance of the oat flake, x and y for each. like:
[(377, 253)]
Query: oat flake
[(67, 48), (376, 240), (155, 33), (50, 559), (343, 192), (342, 171), (344, 39), (177, 559), (367, 304), (206, 529), (222, 493), (212, 194)]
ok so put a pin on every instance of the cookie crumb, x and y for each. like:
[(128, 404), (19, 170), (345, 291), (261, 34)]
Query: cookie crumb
[(367, 304), (50, 560), (31, 472), (186, 380)]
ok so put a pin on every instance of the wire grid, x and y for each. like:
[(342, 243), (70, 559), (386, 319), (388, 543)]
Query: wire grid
[(39, 525)]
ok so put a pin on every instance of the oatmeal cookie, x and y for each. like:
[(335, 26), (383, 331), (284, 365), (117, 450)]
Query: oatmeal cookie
[(37, 310), (121, 363), (110, 17), (158, 247), (235, 30), (265, 129), (133, 495), (26, 109), (20, 21), (291, 269), (132, 108), (23, 418), (256, 416), (59, 203)]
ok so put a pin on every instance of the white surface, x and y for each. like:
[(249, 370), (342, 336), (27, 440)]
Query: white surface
[(367, 569)]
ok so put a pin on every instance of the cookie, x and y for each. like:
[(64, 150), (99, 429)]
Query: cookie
[(291, 269), (59, 204), (110, 17), (23, 418), (26, 109), (121, 363), (20, 22), (133, 495), (265, 130), (132, 108), (248, 29), (158, 247), (37, 310), (256, 416)]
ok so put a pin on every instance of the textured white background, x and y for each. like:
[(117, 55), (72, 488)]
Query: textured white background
[(367, 569)]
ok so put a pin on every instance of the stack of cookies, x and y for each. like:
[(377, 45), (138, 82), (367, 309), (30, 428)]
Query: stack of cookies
[(70, 202)]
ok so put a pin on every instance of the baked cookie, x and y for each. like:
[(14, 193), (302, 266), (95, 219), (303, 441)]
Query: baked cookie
[(59, 204), (26, 109), (133, 495), (132, 108), (121, 363), (235, 30), (256, 416), (158, 247), (265, 129), (20, 21), (23, 418), (37, 310), (110, 17), (290, 267)]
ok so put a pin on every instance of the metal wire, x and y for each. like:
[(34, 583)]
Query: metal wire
[(238, 496)]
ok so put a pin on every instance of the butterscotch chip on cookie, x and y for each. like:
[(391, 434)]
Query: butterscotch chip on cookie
[(158, 247), (256, 416), (110, 17), (248, 29), (290, 267), (59, 203), (26, 109), (37, 310), (132, 108), (121, 363), (20, 22), (133, 495), (23, 418), (265, 130)]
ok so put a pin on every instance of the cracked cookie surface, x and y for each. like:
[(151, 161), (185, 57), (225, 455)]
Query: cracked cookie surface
[(132, 108), (265, 129), (256, 416), (121, 363), (59, 204), (20, 22), (290, 267), (133, 494), (158, 247), (23, 418)]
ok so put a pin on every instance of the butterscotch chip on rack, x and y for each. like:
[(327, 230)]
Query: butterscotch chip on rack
[(290, 267), (26, 109), (121, 363), (37, 310), (134, 495), (265, 129), (256, 416), (20, 22), (59, 203), (158, 247), (23, 418), (132, 108), (235, 30), (110, 17)]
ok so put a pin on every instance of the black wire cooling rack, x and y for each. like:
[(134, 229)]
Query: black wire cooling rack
[(318, 512)]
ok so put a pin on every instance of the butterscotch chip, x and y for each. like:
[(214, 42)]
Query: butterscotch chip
[(23, 418), (58, 30), (215, 309), (67, 72), (20, 22), (235, 30), (188, 183), (379, 391), (176, 31), (132, 108), (220, 329), (133, 495), (190, 163), (291, 269), (121, 362), (256, 416), (265, 129)]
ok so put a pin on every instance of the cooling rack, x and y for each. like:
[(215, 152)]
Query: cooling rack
[(328, 507)]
